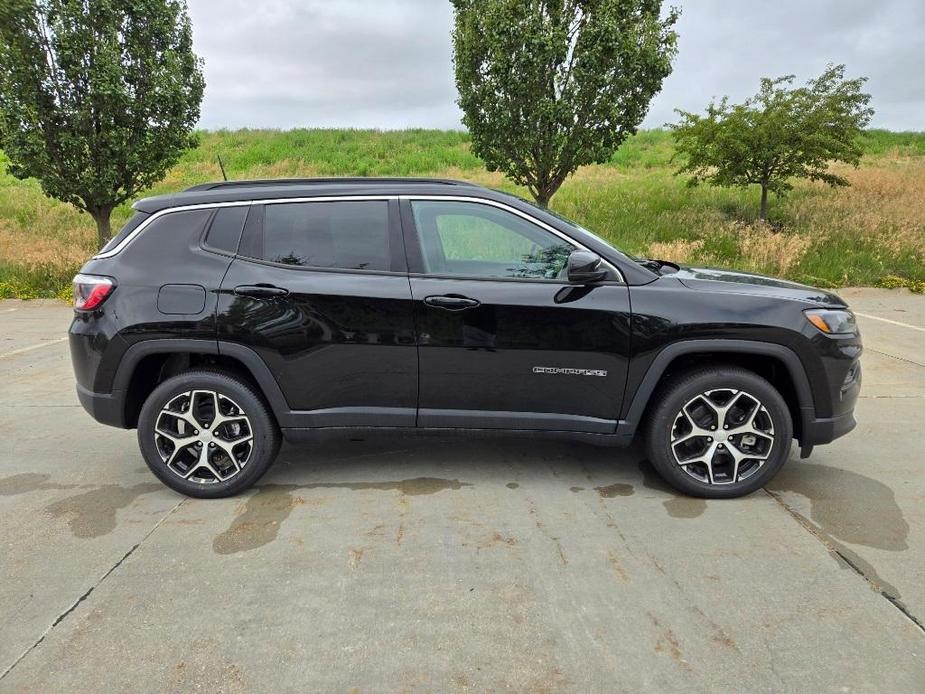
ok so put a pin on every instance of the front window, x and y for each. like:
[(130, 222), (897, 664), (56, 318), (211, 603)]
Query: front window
[(469, 239)]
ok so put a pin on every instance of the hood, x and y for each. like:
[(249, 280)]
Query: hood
[(734, 282)]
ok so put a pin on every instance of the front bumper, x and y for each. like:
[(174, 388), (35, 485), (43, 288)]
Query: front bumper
[(817, 432)]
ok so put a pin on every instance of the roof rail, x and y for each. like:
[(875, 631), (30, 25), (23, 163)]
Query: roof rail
[(335, 180)]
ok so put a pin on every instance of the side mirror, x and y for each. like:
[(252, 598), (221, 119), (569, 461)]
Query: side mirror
[(585, 267)]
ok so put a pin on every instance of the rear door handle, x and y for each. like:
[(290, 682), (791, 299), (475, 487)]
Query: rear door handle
[(451, 302), (260, 291)]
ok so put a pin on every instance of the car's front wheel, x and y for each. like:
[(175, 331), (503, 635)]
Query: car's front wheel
[(207, 434), (719, 432)]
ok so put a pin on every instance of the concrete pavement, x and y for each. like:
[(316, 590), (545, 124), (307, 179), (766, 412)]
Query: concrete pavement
[(459, 565)]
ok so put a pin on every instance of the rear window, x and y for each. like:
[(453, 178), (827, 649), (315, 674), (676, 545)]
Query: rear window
[(349, 235), (129, 227), (168, 230), (225, 230)]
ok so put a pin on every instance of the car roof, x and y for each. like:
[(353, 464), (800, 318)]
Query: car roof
[(272, 189)]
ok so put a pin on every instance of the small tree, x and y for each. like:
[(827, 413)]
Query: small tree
[(547, 86), (779, 134), (98, 98)]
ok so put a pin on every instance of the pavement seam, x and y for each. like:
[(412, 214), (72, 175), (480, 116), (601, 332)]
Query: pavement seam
[(61, 617), (893, 356), (860, 397), (833, 549)]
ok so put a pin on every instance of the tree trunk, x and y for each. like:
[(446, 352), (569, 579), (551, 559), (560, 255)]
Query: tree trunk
[(546, 183), (545, 192), (763, 212), (101, 216)]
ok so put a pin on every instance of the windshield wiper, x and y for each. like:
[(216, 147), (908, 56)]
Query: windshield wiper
[(662, 267)]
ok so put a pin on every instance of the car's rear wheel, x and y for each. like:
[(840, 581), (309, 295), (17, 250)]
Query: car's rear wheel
[(719, 432), (207, 434)]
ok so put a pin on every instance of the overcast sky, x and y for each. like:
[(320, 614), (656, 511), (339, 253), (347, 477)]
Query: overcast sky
[(387, 63)]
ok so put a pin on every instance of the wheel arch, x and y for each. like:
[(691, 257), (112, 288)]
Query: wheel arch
[(146, 364), (778, 364)]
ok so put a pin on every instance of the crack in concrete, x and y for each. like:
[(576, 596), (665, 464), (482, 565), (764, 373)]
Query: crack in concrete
[(893, 356), (851, 560), (61, 617)]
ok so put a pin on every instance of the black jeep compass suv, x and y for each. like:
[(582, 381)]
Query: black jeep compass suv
[(227, 317)]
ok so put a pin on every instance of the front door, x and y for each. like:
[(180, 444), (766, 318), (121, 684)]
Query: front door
[(319, 291), (504, 340)]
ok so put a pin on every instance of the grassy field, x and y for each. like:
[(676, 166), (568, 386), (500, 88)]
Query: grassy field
[(872, 233)]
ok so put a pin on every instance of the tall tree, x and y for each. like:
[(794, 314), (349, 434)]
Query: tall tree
[(547, 86), (98, 98), (779, 134)]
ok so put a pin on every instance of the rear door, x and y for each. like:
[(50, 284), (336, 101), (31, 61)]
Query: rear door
[(505, 340), (319, 290)]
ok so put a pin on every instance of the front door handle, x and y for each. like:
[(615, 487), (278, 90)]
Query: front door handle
[(451, 302), (260, 291)]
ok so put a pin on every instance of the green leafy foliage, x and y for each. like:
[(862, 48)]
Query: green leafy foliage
[(779, 134), (894, 282), (98, 98), (547, 86)]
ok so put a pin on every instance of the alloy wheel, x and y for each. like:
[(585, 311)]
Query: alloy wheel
[(722, 436), (203, 436)]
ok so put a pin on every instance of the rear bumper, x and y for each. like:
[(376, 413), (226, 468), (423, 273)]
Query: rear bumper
[(106, 408)]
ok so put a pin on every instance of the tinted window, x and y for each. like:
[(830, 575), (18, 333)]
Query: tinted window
[(345, 235), (129, 227), (225, 231), (475, 240), (171, 232)]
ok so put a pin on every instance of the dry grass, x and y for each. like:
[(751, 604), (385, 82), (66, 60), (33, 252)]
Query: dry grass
[(888, 200), (774, 253), (70, 247), (41, 246), (679, 251), (759, 249)]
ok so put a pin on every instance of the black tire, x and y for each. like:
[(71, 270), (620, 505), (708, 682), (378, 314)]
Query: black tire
[(264, 444), (666, 421)]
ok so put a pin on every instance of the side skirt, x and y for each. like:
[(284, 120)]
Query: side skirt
[(324, 434)]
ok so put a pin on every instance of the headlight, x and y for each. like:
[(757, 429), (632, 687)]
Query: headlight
[(838, 321)]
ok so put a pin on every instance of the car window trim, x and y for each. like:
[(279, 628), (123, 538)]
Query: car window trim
[(253, 238), (203, 246), (163, 213), (204, 238), (234, 203), (528, 280), (317, 268), (529, 218), (402, 198)]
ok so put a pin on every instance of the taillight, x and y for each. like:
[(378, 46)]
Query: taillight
[(91, 290)]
